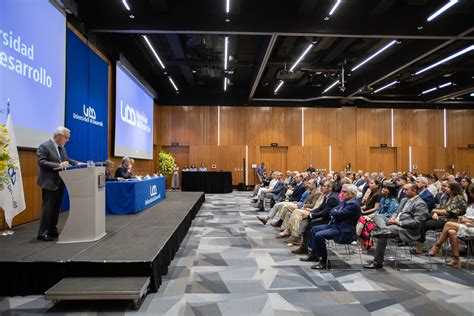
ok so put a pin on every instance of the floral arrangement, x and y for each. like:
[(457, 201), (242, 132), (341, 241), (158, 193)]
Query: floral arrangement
[(166, 163), (6, 160)]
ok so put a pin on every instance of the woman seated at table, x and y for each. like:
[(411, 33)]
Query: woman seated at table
[(124, 171), (193, 168), (203, 167), (464, 227), (185, 168)]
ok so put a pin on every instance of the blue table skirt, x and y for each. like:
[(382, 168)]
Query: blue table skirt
[(129, 197)]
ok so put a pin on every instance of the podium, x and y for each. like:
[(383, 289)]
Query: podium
[(86, 219)]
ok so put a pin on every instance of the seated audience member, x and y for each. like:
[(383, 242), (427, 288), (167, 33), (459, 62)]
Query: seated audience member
[(345, 180), (341, 228), (432, 183), (262, 190), (310, 169), (109, 167), (337, 183), (400, 183), (441, 196), (276, 193), (125, 169), (388, 205), (372, 203), (448, 211), (359, 178), (292, 220), (192, 168), (425, 194), (316, 216), (405, 223), (464, 227), (465, 183), (294, 197), (202, 167)]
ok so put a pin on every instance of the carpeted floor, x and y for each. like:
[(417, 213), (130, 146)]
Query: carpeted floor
[(231, 264)]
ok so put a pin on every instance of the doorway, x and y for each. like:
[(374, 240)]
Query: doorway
[(383, 159), (274, 158)]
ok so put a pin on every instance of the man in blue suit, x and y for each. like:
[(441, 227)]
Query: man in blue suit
[(341, 227), (425, 194)]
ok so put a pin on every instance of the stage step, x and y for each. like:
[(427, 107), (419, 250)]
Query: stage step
[(100, 288)]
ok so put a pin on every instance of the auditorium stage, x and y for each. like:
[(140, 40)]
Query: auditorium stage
[(141, 244)]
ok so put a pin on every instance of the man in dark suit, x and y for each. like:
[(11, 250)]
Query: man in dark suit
[(400, 183), (317, 216), (341, 227), (405, 223), (52, 157), (425, 194)]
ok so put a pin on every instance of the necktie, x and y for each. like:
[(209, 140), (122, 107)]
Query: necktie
[(61, 153)]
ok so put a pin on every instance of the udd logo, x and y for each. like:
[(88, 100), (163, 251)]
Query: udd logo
[(153, 190), (89, 112), (127, 114)]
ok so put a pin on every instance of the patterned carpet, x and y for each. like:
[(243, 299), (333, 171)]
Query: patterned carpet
[(231, 264)]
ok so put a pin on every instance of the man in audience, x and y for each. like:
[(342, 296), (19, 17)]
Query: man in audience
[(425, 194), (432, 184), (293, 198), (405, 223), (261, 192), (401, 181), (277, 193), (316, 216), (341, 227), (310, 169)]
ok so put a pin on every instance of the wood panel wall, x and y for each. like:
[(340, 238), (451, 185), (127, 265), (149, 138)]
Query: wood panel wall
[(348, 132)]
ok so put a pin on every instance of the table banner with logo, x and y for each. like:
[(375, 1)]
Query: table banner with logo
[(86, 101), (129, 197)]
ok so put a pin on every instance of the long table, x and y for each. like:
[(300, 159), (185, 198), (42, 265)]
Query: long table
[(133, 196), (208, 182)]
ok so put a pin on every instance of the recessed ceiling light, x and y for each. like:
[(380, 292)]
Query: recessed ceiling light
[(335, 7), (472, 94), (174, 85), (444, 85), (194, 71), (301, 57), (429, 90), (441, 10), (227, 20), (331, 86), (326, 18), (227, 6), (420, 27), (132, 16), (386, 86), (153, 51), (225, 84), (461, 52), (125, 4), (278, 87), (226, 49), (375, 54), (447, 75)]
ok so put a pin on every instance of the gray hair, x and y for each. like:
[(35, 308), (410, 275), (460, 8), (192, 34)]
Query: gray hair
[(109, 163), (61, 130), (351, 188), (124, 159), (423, 180)]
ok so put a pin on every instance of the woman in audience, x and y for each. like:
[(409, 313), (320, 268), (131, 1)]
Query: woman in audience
[(447, 211), (337, 183), (372, 203), (465, 182), (388, 205), (464, 227)]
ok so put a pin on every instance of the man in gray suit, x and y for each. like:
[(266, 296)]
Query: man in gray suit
[(52, 156), (405, 223)]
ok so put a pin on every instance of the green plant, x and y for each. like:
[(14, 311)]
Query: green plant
[(166, 163)]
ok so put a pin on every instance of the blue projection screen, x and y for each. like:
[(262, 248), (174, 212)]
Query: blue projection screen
[(133, 117), (32, 68)]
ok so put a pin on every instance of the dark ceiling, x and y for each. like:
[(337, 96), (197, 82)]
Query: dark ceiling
[(265, 39)]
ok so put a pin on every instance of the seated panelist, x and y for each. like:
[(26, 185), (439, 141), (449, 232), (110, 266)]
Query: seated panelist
[(125, 169)]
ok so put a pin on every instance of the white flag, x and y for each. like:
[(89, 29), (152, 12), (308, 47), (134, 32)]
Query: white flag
[(12, 198)]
